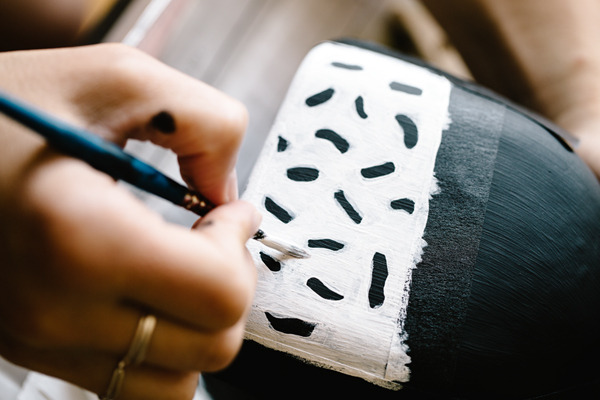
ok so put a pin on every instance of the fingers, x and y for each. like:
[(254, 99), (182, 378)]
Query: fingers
[(143, 382), (121, 93), (111, 260), (85, 258), (203, 126), (105, 242)]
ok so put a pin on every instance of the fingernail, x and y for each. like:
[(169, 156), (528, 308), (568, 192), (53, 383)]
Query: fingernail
[(232, 187), (164, 122), (256, 219)]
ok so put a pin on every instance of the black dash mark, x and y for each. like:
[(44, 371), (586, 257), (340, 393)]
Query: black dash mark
[(320, 98), (339, 142), (303, 174), (270, 262), (378, 278), (328, 244), (403, 204), (378, 170), (401, 87), (347, 66), (279, 212), (360, 107), (411, 133), (282, 145), (340, 197), (319, 288), (291, 326)]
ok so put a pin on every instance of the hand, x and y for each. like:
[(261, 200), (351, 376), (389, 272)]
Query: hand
[(82, 260)]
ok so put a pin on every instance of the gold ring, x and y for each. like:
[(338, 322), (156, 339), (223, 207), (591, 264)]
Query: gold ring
[(135, 355)]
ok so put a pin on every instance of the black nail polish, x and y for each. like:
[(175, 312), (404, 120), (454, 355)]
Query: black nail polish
[(163, 122)]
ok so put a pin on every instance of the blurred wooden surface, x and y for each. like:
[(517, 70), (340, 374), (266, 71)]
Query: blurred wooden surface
[(251, 49)]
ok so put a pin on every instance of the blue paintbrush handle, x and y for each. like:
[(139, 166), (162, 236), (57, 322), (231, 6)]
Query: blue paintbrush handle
[(103, 155)]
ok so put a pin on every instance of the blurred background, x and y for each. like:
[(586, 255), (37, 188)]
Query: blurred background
[(250, 49)]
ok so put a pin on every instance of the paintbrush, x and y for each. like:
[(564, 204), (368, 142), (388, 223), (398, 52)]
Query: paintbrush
[(109, 158)]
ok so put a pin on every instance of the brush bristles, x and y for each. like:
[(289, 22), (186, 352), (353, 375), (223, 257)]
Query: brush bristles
[(286, 248)]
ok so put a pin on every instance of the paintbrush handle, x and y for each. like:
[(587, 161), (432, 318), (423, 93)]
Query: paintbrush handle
[(103, 155), (111, 159)]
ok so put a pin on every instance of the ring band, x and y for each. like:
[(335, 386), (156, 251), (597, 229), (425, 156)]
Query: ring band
[(135, 355), (141, 341)]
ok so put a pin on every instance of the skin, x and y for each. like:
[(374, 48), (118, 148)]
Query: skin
[(541, 53), (82, 259)]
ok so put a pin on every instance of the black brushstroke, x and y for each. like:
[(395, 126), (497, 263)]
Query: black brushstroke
[(401, 87), (347, 66), (320, 97), (360, 107), (378, 278), (282, 145), (271, 263), (407, 205), (411, 133), (339, 142), (303, 174), (291, 326), (340, 197), (328, 244), (378, 170), (319, 288), (279, 212)]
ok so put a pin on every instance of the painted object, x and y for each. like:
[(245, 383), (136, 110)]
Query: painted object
[(455, 240)]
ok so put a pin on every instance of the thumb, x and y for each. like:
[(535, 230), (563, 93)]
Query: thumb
[(237, 220)]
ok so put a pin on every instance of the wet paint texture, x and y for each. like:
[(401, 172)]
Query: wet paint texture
[(338, 141), (340, 197), (377, 171), (351, 67), (290, 326), (328, 244), (403, 204), (282, 145), (401, 87), (320, 98), (411, 132), (378, 278), (303, 174), (271, 263), (360, 107), (319, 288), (277, 211)]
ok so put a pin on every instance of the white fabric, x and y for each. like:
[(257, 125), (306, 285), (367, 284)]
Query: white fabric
[(18, 383)]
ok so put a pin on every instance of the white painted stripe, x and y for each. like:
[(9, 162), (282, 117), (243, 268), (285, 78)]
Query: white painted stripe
[(350, 335)]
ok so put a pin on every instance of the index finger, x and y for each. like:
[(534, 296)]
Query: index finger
[(144, 99)]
